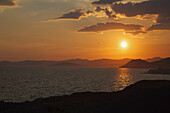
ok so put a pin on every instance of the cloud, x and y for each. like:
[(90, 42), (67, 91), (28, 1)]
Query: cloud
[(136, 32), (89, 12), (98, 9), (159, 27), (160, 7), (73, 14), (7, 3), (157, 10), (106, 1), (109, 14), (77, 14), (110, 26)]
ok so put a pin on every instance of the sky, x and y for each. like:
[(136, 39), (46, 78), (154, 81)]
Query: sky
[(87, 29)]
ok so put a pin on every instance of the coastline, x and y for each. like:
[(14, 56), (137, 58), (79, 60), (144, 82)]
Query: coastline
[(141, 97), (164, 71)]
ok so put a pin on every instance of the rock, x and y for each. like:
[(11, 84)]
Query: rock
[(138, 63), (141, 97)]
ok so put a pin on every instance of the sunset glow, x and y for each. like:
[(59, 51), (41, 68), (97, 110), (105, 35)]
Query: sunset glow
[(124, 44), (69, 29), (60, 48)]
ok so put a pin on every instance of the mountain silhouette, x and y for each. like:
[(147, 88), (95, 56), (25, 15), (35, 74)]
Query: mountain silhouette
[(70, 62), (138, 63), (154, 59), (66, 64)]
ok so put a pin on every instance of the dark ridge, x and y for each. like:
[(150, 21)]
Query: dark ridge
[(65, 64), (164, 63), (154, 59), (141, 97), (138, 63), (80, 62)]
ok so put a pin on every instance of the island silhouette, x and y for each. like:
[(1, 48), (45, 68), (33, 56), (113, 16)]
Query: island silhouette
[(84, 62), (138, 63)]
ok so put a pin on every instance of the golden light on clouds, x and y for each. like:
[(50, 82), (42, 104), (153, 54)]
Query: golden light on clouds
[(103, 30)]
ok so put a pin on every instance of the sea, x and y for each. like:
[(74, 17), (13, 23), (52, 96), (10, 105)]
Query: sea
[(27, 83)]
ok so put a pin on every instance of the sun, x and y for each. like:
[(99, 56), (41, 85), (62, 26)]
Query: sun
[(124, 44)]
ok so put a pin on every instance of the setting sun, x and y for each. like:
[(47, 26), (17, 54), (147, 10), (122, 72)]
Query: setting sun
[(124, 44)]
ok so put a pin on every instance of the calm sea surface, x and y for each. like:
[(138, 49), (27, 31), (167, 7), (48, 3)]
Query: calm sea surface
[(18, 84)]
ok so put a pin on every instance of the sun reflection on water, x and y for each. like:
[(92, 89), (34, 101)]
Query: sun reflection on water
[(122, 80)]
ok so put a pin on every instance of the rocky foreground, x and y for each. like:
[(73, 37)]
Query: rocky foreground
[(142, 97)]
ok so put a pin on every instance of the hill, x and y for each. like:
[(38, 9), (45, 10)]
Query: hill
[(141, 97), (66, 64), (164, 63), (138, 63), (75, 62), (154, 59)]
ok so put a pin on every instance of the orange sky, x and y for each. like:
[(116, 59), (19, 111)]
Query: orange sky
[(25, 35)]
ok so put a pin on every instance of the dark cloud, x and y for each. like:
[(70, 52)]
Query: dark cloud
[(130, 9), (98, 9), (89, 12), (152, 9), (77, 14), (110, 26), (106, 1), (7, 2), (74, 14), (159, 27), (160, 7), (108, 13)]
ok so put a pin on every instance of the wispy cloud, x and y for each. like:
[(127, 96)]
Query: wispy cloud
[(136, 32), (105, 1), (111, 26), (7, 3), (72, 15)]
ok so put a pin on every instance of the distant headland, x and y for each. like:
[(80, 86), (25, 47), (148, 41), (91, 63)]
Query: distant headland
[(78, 62), (138, 63)]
